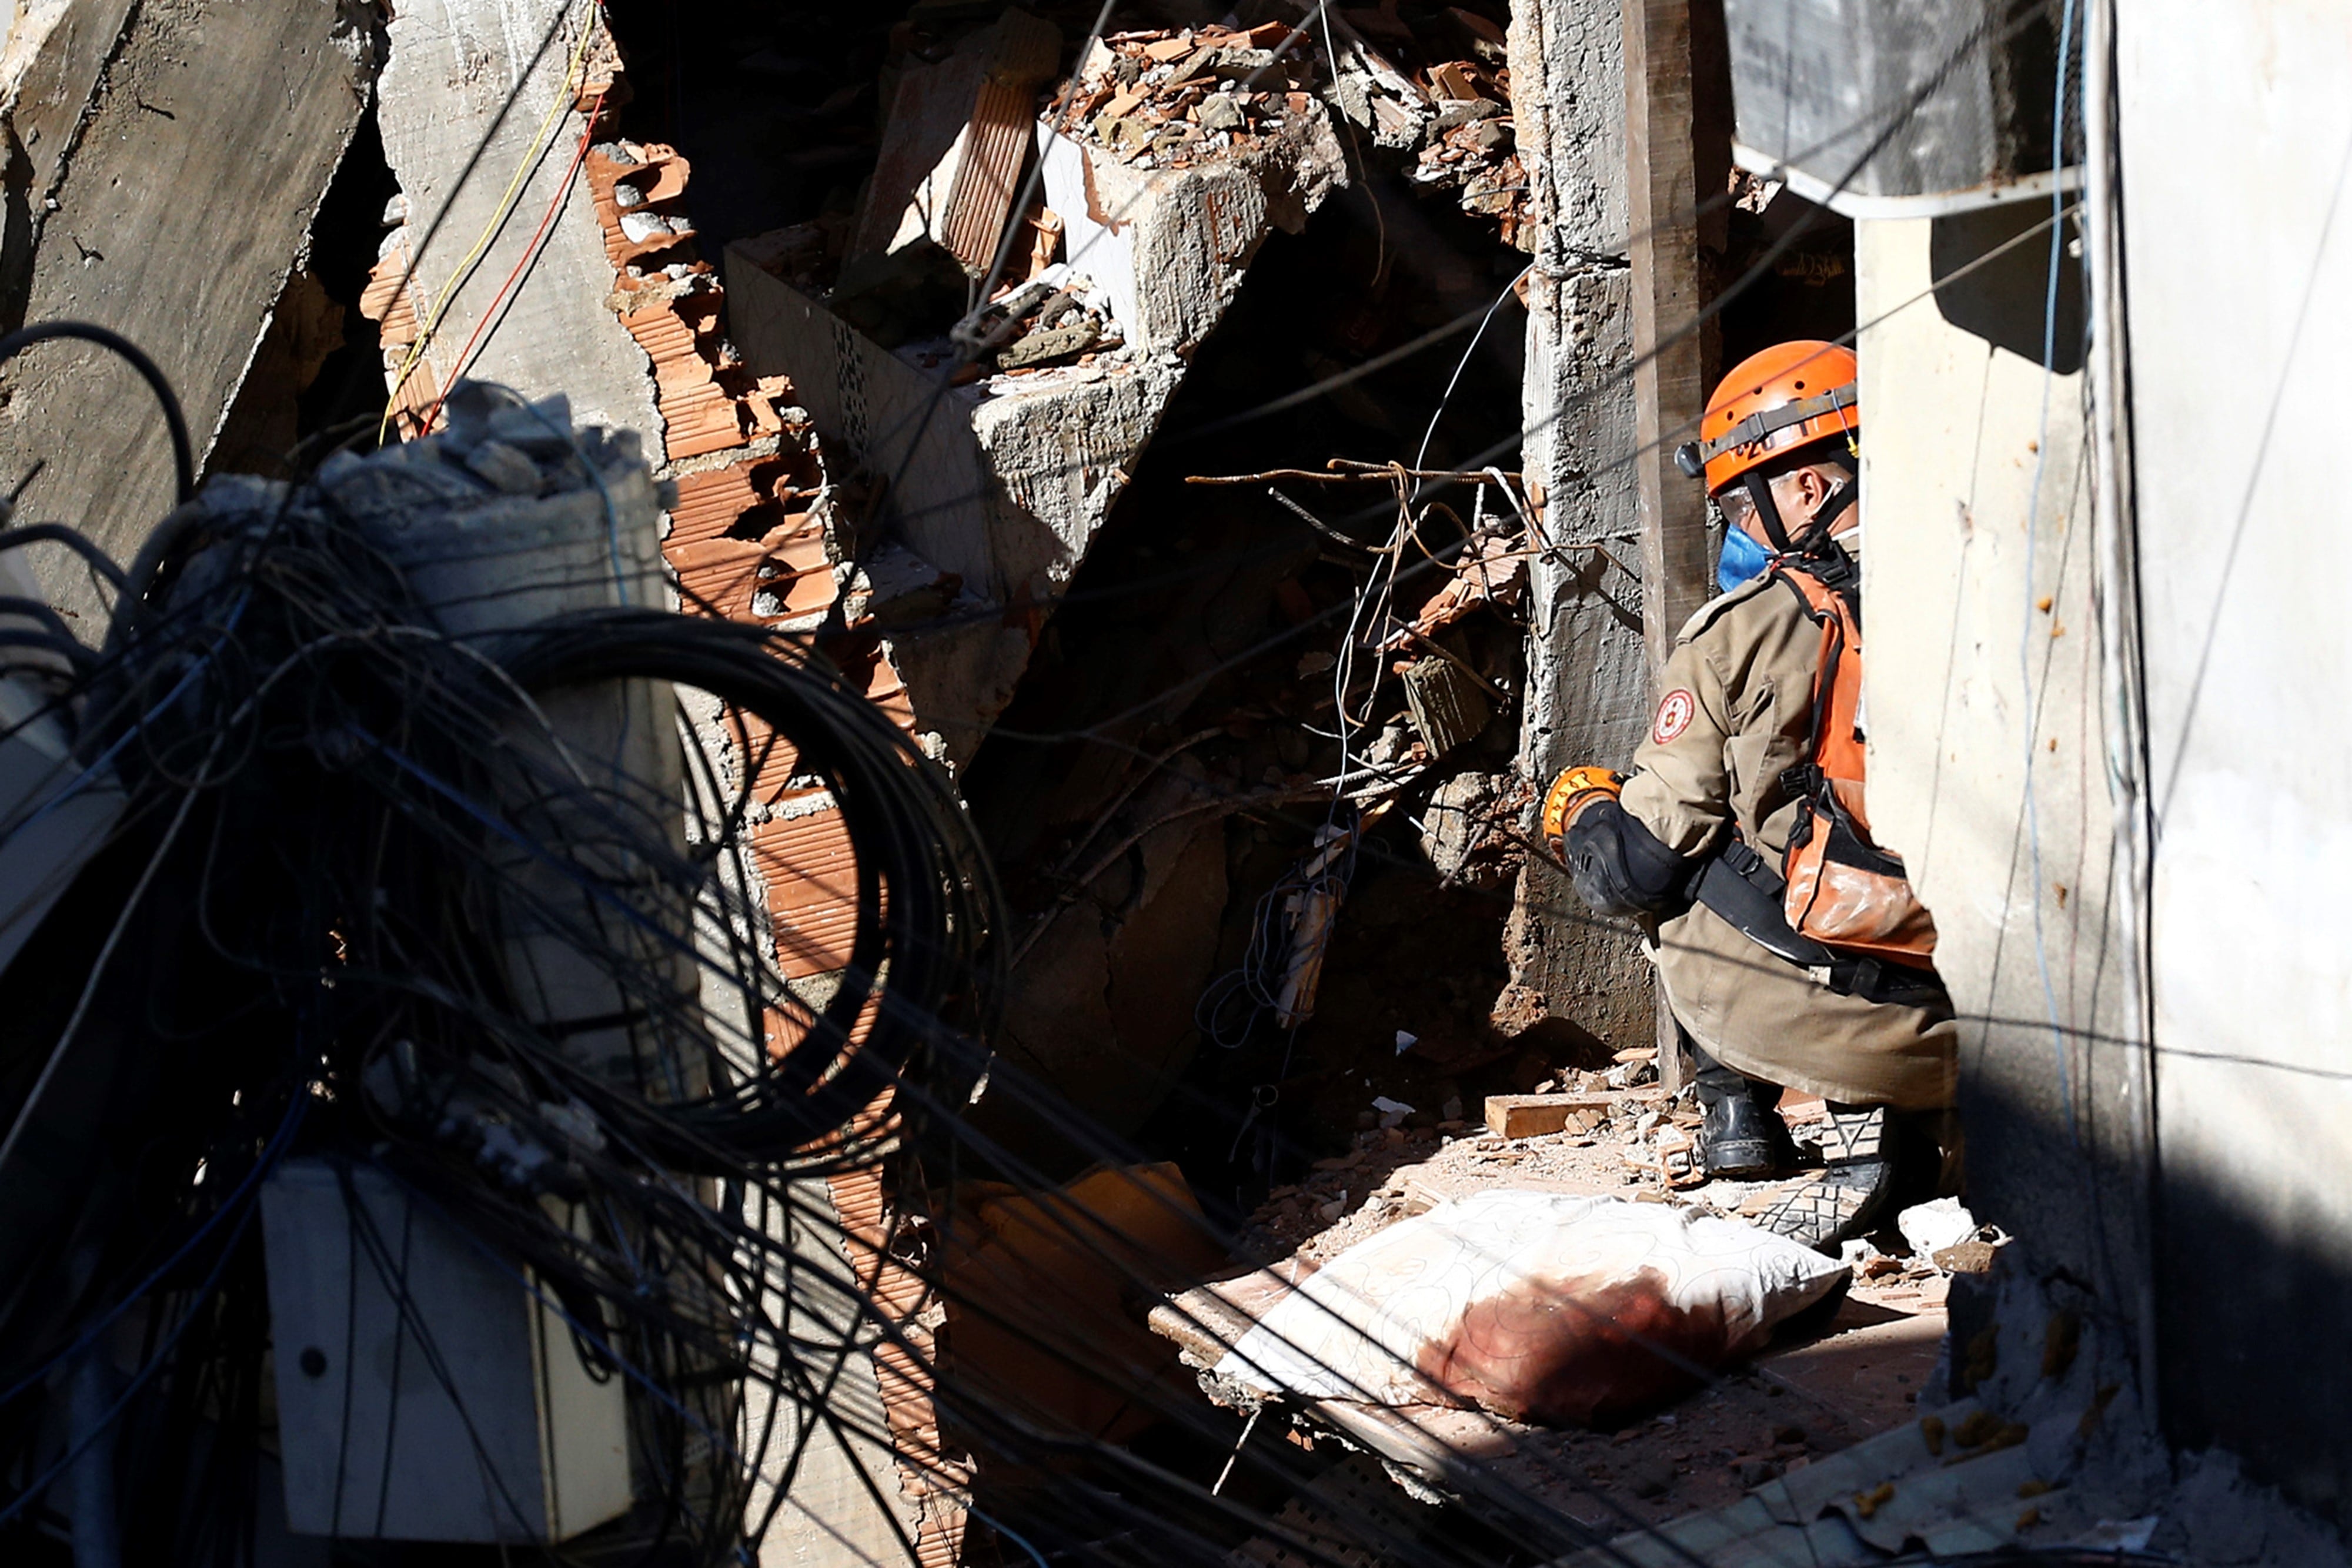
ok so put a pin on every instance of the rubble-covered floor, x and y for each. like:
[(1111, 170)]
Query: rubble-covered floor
[(1820, 1387)]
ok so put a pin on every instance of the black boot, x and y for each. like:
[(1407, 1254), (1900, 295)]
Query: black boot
[(1851, 1191), (1742, 1135)]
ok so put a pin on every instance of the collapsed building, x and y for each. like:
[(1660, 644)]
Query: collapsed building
[(1236, 446)]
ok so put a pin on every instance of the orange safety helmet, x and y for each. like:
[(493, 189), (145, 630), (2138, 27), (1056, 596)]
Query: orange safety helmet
[(1790, 395)]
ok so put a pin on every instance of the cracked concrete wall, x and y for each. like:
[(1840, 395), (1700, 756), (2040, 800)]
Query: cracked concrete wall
[(1587, 689), (164, 164)]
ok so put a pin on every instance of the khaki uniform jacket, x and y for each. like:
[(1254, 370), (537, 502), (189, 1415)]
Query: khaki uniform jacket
[(1738, 712)]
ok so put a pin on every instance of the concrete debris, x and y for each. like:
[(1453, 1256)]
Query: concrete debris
[(1435, 85), (1930, 1228), (1469, 828), (1447, 701), (1854, 1375), (1004, 479), (1173, 99), (893, 586), (1373, 94), (1472, 149), (1493, 572)]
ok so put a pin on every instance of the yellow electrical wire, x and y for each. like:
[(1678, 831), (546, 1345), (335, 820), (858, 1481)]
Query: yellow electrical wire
[(571, 79)]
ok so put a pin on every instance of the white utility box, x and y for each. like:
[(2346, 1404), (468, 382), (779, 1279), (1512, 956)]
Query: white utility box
[(424, 1391)]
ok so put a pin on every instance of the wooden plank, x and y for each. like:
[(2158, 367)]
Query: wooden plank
[(1669, 384), (1537, 1115), (1425, 1187)]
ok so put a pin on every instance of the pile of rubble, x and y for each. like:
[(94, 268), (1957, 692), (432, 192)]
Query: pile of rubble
[(1472, 147), (1845, 1372), (1433, 83), (1055, 318), (1165, 99), (1616, 1132)]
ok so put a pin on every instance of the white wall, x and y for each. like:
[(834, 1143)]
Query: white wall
[(1976, 512), (2239, 262)]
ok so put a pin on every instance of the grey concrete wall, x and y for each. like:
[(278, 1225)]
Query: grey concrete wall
[(1586, 689), (2238, 254), (165, 161)]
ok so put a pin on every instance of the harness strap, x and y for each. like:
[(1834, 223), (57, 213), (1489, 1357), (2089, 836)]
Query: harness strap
[(1757, 426), (1833, 651)]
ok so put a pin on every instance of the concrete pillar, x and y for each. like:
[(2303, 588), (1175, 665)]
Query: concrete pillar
[(1586, 682), (475, 111)]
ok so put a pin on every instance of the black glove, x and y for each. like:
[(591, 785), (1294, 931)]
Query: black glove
[(1622, 868)]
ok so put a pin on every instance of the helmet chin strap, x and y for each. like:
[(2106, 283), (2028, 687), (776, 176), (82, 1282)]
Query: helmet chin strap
[(1759, 496), (1834, 504)]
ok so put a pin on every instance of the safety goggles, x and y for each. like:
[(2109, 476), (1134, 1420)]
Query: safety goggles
[(1738, 507)]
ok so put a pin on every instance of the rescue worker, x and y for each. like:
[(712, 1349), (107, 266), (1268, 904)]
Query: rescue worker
[(1748, 785)]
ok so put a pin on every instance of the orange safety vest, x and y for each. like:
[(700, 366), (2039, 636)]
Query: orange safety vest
[(1843, 891)]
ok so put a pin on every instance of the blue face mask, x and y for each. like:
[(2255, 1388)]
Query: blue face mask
[(1742, 559)]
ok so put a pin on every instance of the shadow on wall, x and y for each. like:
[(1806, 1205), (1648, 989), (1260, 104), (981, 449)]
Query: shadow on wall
[(2245, 1299), (2249, 1314), (2003, 301)]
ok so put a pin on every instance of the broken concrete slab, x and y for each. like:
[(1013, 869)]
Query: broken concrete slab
[(123, 115), (1004, 482), (1170, 246)]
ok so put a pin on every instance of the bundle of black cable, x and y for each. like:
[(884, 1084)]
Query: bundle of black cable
[(292, 945)]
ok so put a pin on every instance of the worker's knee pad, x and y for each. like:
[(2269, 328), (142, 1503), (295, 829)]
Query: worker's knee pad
[(1621, 868)]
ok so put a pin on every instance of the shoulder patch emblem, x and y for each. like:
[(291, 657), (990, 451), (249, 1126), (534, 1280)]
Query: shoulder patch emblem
[(1674, 712)]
